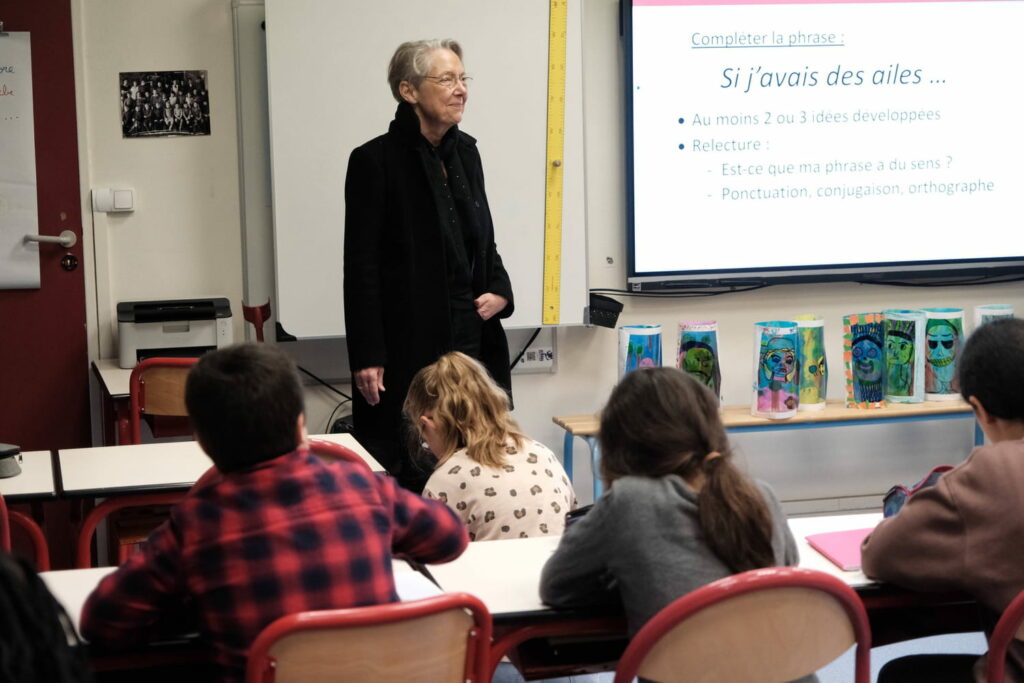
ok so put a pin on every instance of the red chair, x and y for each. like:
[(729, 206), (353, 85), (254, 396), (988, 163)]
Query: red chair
[(156, 391), (440, 639), (128, 535), (257, 315), (764, 625), (31, 529), (1010, 627)]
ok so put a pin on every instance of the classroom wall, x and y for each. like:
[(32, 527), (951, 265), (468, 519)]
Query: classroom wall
[(184, 241)]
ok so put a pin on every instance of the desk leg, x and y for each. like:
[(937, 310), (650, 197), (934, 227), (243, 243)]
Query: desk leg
[(595, 464), (121, 410), (567, 454)]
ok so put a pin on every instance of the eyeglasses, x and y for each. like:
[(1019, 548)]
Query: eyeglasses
[(448, 80), (898, 494)]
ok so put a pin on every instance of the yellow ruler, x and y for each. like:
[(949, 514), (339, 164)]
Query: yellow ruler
[(554, 166)]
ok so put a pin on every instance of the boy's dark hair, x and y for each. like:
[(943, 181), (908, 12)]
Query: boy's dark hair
[(244, 401), (38, 642), (991, 368)]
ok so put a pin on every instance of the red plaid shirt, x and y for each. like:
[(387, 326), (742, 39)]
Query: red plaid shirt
[(289, 535)]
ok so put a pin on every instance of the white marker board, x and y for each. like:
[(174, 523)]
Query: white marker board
[(328, 93)]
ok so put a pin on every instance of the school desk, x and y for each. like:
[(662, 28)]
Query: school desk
[(115, 405), (738, 420), (71, 587), (106, 471), (35, 481), (505, 575)]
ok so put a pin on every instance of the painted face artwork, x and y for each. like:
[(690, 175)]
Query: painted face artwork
[(697, 352), (868, 363), (942, 338), (699, 361), (813, 367), (899, 357), (778, 360)]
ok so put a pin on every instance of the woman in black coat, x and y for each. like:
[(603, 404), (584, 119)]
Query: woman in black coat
[(422, 274)]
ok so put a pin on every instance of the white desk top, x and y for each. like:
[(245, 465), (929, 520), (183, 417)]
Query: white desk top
[(71, 587), (506, 574), (115, 379), (107, 470), (35, 480)]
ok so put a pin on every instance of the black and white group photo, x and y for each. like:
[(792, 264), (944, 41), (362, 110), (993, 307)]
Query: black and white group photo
[(162, 103)]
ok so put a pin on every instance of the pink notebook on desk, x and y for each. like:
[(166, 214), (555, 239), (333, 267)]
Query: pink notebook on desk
[(842, 548)]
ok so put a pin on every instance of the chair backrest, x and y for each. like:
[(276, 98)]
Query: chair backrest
[(31, 529), (5, 526), (157, 387), (83, 552), (1010, 627), (764, 625), (443, 639)]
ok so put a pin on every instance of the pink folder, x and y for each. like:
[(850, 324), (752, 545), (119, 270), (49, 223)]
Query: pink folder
[(842, 548)]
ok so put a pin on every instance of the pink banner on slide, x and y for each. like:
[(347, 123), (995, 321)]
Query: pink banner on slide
[(671, 3)]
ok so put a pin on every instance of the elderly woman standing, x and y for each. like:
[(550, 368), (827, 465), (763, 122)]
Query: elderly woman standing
[(422, 274)]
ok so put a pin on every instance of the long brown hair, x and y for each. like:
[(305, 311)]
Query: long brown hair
[(470, 409), (661, 421)]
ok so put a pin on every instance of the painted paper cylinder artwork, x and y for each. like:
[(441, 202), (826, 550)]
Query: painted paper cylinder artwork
[(904, 356), (944, 337), (864, 360), (812, 362), (639, 347), (989, 312), (777, 383), (697, 352)]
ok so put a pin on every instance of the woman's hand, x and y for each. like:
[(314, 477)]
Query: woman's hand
[(489, 305), (370, 382)]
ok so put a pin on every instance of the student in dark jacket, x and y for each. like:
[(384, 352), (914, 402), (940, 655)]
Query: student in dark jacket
[(422, 274)]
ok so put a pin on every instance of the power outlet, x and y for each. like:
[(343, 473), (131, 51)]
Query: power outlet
[(539, 357)]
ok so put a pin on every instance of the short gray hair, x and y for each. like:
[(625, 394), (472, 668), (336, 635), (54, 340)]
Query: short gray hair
[(411, 61)]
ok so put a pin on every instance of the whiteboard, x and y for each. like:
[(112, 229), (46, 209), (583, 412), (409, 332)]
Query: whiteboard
[(327, 87), (19, 215)]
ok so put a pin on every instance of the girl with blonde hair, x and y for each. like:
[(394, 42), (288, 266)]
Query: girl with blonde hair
[(502, 483)]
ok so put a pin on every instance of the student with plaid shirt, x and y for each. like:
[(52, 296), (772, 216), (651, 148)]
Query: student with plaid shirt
[(276, 532)]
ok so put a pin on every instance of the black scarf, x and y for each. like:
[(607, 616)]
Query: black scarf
[(461, 232)]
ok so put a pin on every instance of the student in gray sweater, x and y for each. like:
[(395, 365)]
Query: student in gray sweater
[(677, 513)]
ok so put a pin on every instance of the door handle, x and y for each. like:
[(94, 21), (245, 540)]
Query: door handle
[(66, 239)]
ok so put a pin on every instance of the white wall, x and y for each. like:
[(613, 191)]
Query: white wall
[(184, 241)]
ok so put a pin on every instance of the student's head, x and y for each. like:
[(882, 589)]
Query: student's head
[(453, 403), (991, 369), (662, 421), (245, 402), (38, 643)]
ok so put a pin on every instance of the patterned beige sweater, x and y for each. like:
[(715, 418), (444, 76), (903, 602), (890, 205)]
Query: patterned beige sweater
[(528, 496)]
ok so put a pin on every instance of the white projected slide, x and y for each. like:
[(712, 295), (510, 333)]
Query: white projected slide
[(770, 135)]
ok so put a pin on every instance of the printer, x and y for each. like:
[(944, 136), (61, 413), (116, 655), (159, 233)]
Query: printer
[(182, 328)]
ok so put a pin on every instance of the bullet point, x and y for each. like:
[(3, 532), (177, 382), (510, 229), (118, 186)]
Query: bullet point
[(682, 120), (682, 146)]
